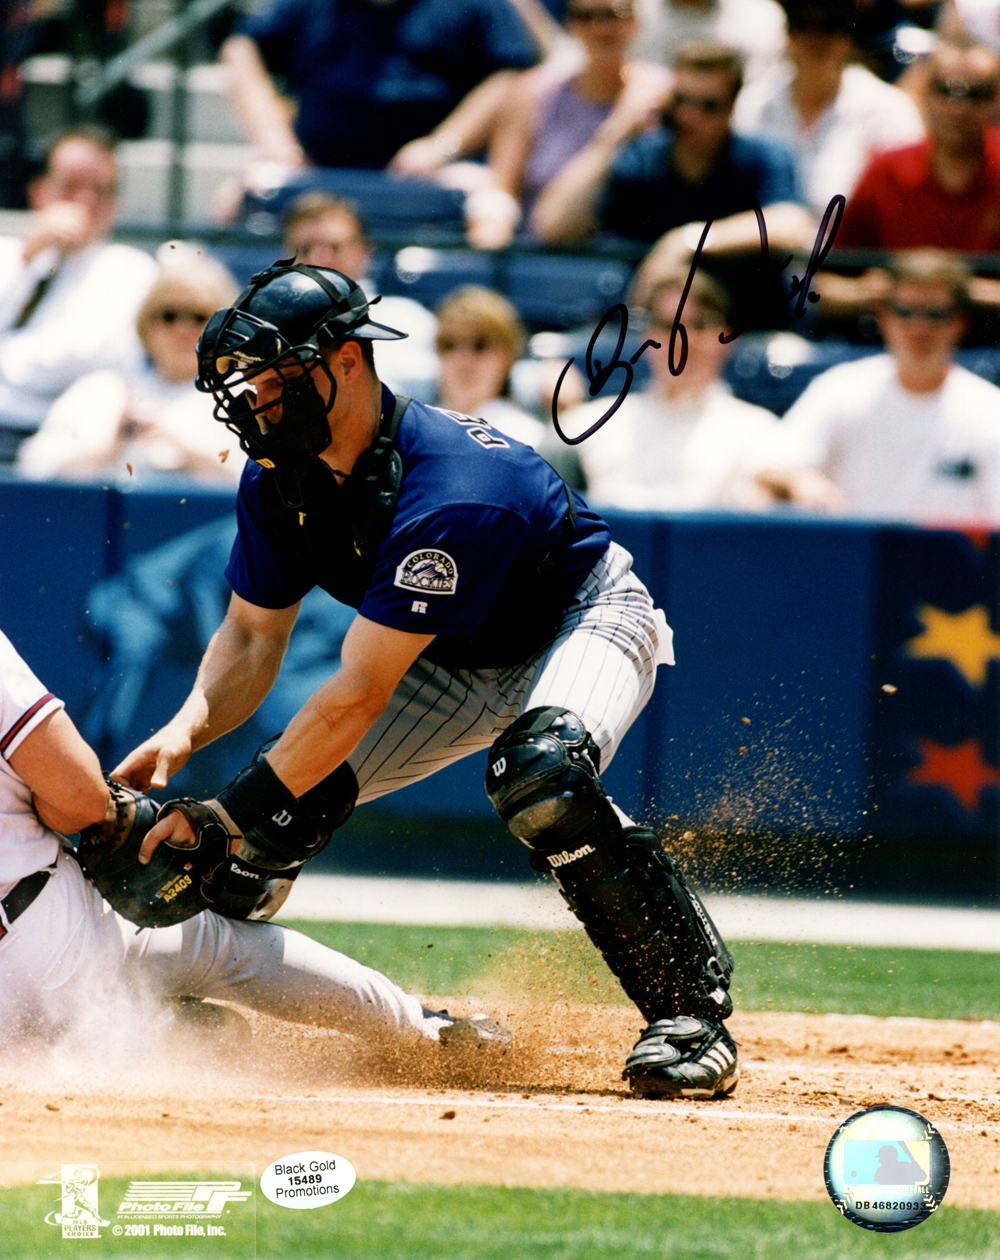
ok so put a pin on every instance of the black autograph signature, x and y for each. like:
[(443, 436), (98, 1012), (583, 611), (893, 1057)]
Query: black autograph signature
[(598, 373)]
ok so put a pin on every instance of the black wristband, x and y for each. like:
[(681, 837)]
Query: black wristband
[(255, 796)]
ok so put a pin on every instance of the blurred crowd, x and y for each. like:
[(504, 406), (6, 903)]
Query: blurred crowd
[(654, 129)]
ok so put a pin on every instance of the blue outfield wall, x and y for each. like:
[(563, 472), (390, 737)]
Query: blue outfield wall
[(834, 679)]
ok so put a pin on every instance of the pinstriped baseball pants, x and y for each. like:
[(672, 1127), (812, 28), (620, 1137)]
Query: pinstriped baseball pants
[(601, 665)]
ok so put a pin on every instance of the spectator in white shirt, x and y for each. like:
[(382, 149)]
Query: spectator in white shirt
[(979, 19), (149, 420), (685, 442), (833, 115), (68, 298), (327, 231), (755, 27), (906, 435)]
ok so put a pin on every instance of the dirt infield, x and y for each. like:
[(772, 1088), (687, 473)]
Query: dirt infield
[(553, 1113)]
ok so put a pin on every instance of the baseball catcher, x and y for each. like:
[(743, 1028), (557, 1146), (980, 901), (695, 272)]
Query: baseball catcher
[(493, 612)]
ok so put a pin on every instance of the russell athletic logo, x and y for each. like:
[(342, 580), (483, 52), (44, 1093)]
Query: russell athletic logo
[(564, 858)]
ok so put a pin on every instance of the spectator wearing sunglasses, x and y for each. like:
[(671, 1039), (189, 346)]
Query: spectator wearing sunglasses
[(479, 339), (943, 192), (134, 424), (68, 296), (906, 435), (664, 184), (833, 114)]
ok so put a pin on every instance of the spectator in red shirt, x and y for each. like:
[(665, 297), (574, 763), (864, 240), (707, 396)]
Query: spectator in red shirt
[(945, 191)]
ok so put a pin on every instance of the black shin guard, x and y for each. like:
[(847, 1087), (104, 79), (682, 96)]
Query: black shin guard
[(631, 898)]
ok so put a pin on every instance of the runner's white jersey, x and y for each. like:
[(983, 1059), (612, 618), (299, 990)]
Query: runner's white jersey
[(26, 845)]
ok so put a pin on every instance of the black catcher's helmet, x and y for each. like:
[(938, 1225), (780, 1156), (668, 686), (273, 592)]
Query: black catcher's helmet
[(282, 320)]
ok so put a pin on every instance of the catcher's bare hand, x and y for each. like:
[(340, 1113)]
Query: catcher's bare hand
[(174, 828), (154, 761), (181, 827)]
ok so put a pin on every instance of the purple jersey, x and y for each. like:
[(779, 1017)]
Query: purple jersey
[(479, 552)]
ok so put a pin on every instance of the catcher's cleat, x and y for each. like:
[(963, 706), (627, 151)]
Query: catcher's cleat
[(477, 1032), (683, 1057)]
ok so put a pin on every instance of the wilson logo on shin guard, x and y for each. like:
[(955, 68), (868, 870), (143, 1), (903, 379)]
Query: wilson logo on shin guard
[(564, 858)]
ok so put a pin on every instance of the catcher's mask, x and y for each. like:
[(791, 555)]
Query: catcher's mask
[(281, 321)]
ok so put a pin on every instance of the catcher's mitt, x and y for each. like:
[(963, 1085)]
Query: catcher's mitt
[(241, 889), (176, 884), (260, 873)]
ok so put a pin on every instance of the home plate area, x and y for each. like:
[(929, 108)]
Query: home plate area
[(553, 1112)]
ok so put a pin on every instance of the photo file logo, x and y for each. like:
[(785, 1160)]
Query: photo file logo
[(181, 1198)]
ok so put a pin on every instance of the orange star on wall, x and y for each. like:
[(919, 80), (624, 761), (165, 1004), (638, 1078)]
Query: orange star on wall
[(958, 767)]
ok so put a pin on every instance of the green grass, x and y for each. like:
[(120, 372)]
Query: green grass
[(402, 1221), (935, 984), (932, 983)]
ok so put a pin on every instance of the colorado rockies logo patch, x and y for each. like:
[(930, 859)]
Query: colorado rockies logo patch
[(429, 570)]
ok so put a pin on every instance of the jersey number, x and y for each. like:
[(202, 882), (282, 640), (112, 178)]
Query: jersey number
[(478, 430)]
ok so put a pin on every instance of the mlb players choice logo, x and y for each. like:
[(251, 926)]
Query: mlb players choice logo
[(78, 1212), (429, 570), (887, 1168)]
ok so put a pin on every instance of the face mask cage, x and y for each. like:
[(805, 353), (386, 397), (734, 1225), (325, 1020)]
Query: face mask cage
[(231, 355)]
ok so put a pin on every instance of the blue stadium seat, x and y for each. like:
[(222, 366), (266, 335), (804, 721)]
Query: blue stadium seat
[(561, 291), (247, 258), (428, 275), (387, 204), (983, 360), (768, 369), (772, 369), (573, 343), (549, 290)]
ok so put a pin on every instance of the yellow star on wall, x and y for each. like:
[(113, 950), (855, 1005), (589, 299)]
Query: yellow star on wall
[(964, 639)]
